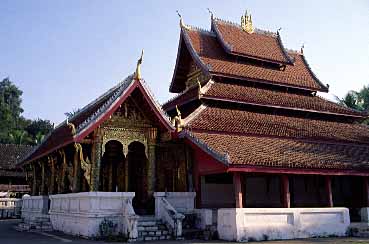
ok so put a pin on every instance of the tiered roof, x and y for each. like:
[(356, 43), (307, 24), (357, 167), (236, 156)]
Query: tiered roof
[(258, 107)]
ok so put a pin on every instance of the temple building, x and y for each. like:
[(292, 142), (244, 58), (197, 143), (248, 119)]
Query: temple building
[(246, 139), (13, 181)]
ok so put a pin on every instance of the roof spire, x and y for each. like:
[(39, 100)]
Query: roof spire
[(181, 23), (138, 68), (246, 23), (302, 48), (211, 13)]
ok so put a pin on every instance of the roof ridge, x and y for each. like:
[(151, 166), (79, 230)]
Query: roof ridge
[(200, 29), (325, 88), (19, 145), (156, 103), (121, 87), (256, 30)]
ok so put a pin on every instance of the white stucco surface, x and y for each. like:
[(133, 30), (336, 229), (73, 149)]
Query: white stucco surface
[(183, 202), (81, 213), (249, 224), (34, 207)]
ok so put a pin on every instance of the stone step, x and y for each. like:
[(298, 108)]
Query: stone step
[(154, 238)]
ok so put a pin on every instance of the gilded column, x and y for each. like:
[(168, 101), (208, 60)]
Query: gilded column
[(96, 161), (151, 175), (76, 172)]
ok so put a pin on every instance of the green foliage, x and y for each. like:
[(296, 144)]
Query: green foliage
[(357, 100), (14, 128)]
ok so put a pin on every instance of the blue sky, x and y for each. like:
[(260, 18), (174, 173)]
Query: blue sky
[(63, 54)]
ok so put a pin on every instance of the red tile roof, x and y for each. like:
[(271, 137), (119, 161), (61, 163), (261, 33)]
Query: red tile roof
[(252, 95), (287, 153), (10, 155), (211, 55), (223, 120), (260, 45)]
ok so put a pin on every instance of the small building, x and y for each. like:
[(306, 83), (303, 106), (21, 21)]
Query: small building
[(13, 180), (247, 139)]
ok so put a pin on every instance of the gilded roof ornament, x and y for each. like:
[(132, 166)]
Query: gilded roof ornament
[(302, 48), (200, 90), (177, 121), (246, 23), (181, 22), (138, 68), (72, 128)]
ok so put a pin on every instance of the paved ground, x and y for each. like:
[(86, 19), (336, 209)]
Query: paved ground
[(9, 236)]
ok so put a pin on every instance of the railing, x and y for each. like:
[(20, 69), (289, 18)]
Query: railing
[(130, 220), (10, 207), (165, 211)]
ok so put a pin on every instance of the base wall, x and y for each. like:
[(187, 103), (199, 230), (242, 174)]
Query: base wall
[(256, 224), (34, 207), (81, 213)]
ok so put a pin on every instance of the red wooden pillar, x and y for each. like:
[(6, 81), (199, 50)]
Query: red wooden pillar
[(328, 190), (286, 196), (237, 189), (366, 192)]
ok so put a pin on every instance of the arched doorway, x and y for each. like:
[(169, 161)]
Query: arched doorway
[(137, 171), (112, 164)]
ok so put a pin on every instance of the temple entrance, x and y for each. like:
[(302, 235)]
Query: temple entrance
[(137, 171), (112, 163)]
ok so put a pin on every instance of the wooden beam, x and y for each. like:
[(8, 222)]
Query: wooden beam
[(237, 189), (328, 190), (285, 191)]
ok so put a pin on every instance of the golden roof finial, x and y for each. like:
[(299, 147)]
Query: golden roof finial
[(181, 22), (138, 68), (199, 83), (178, 112), (246, 23)]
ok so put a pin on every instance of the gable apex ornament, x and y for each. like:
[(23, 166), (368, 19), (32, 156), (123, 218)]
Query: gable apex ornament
[(138, 67), (181, 22), (246, 23)]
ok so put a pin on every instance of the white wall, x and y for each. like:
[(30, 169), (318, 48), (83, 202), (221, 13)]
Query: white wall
[(34, 207), (249, 224), (81, 213)]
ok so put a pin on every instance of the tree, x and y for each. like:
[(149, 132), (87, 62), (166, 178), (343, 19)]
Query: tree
[(14, 128), (357, 100), (10, 109), (38, 129)]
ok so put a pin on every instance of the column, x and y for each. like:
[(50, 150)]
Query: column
[(42, 189), (96, 161), (366, 192), (52, 178), (34, 180), (328, 190), (76, 172), (237, 189), (285, 191), (151, 172)]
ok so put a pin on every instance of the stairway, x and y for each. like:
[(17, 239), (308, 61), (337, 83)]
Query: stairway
[(359, 229), (152, 229), (39, 224)]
